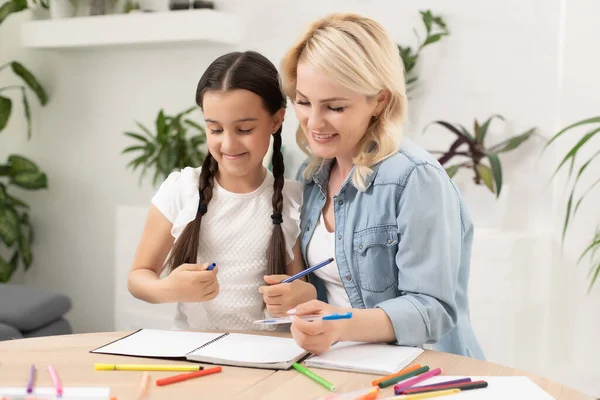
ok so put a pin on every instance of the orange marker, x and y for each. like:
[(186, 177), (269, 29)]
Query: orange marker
[(183, 377), (404, 371)]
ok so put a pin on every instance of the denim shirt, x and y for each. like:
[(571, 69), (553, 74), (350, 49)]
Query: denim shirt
[(402, 245)]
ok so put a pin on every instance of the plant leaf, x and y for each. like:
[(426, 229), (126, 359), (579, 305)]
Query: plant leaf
[(145, 130), (7, 269), (31, 180), (583, 168), (573, 152), (595, 242), (5, 110), (427, 19), (30, 80), (25, 242), (161, 127), (576, 124), (9, 224), (513, 142), (465, 135), (486, 125), (452, 170), (567, 216), (194, 124), (136, 136), (432, 39), (133, 148), (21, 164), (496, 171), (486, 175), (27, 112), (589, 189), (10, 7)]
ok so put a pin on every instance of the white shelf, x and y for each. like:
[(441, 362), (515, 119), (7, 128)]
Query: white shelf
[(132, 29)]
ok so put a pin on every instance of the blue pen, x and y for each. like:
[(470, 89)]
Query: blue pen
[(307, 271), (287, 320), (211, 266)]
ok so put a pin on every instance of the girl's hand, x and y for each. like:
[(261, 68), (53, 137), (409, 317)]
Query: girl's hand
[(192, 283), (317, 336), (281, 297)]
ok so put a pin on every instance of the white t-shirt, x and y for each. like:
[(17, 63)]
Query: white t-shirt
[(320, 248), (235, 234)]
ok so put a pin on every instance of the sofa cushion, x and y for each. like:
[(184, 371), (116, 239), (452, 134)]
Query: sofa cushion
[(28, 308), (58, 327), (8, 332)]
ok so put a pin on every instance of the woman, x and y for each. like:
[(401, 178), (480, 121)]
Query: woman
[(382, 207)]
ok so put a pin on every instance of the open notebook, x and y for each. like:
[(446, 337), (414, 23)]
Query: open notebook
[(370, 358), (236, 349)]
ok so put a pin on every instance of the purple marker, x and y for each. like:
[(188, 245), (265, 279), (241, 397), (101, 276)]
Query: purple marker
[(454, 382), (31, 377)]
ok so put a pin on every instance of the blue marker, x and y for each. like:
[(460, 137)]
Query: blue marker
[(287, 320), (211, 266), (308, 271)]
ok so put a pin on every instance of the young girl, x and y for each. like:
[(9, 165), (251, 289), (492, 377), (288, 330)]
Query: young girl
[(385, 210), (232, 211)]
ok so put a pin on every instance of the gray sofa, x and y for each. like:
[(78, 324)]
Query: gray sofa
[(30, 312)]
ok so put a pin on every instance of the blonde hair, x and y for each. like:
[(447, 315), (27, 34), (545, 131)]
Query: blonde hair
[(355, 53)]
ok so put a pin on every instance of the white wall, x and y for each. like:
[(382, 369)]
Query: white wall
[(532, 62)]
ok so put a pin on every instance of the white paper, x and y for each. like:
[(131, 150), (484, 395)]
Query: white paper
[(499, 387), (252, 349), (83, 393), (374, 358), (159, 343)]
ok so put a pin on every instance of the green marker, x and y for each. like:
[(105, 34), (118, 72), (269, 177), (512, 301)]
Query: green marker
[(305, 371), (399, 378)]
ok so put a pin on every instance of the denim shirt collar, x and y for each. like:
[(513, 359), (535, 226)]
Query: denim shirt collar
[(321, 176)]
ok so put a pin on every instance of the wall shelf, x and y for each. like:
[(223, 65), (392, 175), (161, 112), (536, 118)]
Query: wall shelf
[(169, 27)]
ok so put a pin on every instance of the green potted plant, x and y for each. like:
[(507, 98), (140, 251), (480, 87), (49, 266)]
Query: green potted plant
[(575, 200), (176, 143), (435, 30), (472, 150), (16, 231)]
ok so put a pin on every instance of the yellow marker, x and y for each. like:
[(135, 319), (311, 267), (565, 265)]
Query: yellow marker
[(430, 395), (146, 367)]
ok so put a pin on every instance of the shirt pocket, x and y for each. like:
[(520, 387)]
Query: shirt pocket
[(376, 254)]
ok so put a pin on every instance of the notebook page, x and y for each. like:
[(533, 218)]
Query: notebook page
[(158, 343), (375, 358), (499, 387), (251, 349)]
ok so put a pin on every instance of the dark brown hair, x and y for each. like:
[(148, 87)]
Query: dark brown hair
[(250, 71)]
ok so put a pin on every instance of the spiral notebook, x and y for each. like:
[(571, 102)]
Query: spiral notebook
[(235, 349), (368, 358)]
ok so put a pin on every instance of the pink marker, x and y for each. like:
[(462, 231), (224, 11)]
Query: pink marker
[(408, 383), (56, 381)]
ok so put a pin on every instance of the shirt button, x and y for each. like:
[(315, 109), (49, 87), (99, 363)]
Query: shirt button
[(307, 228), (340, 237), (389, 241), (340, 202), (348, 278), (360, 247)]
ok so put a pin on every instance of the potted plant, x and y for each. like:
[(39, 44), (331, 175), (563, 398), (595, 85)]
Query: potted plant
[(16, 231), (575, 201), (177, 143), (473, 154), (435, 30)]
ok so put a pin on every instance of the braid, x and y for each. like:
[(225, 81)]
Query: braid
[(276, 252), (185, 250)]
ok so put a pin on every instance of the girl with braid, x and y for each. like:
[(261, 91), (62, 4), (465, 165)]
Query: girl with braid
[(231, 211)]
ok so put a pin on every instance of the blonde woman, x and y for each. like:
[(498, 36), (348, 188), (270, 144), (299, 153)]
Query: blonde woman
[(376, 202)]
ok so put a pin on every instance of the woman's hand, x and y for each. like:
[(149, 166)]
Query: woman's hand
[(192, 283), (281, 297), (317, 336)]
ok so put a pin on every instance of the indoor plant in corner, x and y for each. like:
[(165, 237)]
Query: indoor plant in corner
[(16, 231), (472, 153), (592, 248)]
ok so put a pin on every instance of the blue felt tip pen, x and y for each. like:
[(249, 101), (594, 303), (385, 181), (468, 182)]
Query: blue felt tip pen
[(308, 271), (288, 320), (211, 266)]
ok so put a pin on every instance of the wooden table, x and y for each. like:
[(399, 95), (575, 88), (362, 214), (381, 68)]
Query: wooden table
[(70, 355)]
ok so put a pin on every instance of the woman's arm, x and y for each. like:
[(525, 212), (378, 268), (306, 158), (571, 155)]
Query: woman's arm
[(428, 258)]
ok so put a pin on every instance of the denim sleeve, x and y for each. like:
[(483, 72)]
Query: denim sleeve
[(301, 169), (428, 258)]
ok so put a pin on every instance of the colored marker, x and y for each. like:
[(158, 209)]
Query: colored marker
[(288, 320), (55, 380), (308, 271), (211, 266), (146, 367), (307, 372), (31, 378), (184, 377)]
